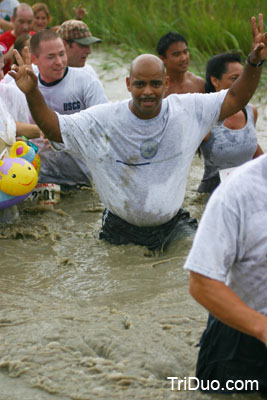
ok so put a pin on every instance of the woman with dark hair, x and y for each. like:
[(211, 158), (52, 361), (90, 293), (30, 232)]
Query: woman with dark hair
[(233, 142)]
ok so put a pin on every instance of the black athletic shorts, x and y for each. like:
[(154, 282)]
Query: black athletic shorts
[(209, 185), (231, 358), (117, 231)]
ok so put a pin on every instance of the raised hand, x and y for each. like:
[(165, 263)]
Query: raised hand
[(259, 45), (80, 12), (23, 74)]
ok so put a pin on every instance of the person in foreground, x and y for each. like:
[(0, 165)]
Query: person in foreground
[(228, 273), (139, 151), (234, 142)]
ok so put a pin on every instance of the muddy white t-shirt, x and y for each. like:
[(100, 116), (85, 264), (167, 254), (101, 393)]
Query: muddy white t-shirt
[(15, 102), (7, 130), (140, 167), (231, 241)]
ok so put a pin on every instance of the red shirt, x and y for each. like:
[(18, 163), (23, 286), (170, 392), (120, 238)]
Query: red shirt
[(7, 39)]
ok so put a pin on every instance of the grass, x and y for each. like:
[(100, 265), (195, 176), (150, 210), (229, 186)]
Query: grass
[(134, 26)]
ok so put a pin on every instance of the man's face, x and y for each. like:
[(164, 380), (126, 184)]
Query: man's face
[(177, 57), (147, 84), (77, 53), (51, 60), (23, 21)]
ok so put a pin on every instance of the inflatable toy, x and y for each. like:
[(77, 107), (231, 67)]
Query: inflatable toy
[(28, 152), (18, 176)]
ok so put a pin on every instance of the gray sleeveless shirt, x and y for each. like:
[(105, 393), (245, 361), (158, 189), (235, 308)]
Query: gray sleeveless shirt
[(227, 148)]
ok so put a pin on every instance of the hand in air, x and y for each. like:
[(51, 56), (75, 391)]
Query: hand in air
[(259, 46), (80, 12), (23, 74)]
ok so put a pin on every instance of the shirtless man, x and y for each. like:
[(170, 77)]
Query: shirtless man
[(173, 50)]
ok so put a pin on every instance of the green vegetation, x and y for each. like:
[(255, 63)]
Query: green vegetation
[(134, 26)]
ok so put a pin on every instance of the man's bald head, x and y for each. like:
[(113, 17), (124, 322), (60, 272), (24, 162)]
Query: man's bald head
[(22, 19), (147, 83), (22, 7), (146, 62)]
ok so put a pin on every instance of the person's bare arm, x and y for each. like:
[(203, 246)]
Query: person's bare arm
[(226, 306), (30, 131), (244, 87), (27, 82), (258, 152), (6, 25)]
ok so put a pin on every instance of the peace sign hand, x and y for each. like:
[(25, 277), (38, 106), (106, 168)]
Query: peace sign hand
[(23, 74), (80, 13), (259, 45)]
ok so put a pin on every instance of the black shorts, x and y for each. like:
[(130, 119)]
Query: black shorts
[(117, 231), (209, 185), (227, 355)]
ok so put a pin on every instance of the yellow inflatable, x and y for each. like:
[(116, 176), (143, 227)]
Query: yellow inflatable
[(18, 176)]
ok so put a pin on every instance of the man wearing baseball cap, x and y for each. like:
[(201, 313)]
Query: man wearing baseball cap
[(77, 40)]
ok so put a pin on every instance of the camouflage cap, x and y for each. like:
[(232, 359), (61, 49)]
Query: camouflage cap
[(77, 31)]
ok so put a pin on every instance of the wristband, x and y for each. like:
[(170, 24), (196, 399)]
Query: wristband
[(259, 64)]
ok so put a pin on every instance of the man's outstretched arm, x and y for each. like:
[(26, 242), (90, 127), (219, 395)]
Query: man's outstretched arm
[(245, 86), (27, 82)]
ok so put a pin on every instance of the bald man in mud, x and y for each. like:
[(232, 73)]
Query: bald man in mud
[(139, 151)]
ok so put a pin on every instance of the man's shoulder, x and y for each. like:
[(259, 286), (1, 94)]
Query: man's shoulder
[(9, 3), (82, 74), (11, 88), (190, 84), (195, 81), (90, 70), (246, 181)]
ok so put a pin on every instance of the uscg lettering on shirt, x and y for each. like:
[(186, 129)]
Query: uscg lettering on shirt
[(75, 105)]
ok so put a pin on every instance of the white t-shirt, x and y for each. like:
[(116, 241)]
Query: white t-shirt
[(140, 167), (15, 101), (77, 91), (91, 70), (231, 241), (7, 8), (7, 129)]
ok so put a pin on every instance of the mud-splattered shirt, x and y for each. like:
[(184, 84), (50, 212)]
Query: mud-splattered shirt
[(140, 166), (227, 148), (231, 241)]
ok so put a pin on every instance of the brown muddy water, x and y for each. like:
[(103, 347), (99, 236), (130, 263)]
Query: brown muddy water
[(84, 320)]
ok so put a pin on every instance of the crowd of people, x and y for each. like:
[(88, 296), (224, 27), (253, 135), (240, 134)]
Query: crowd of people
[(138, 153)]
